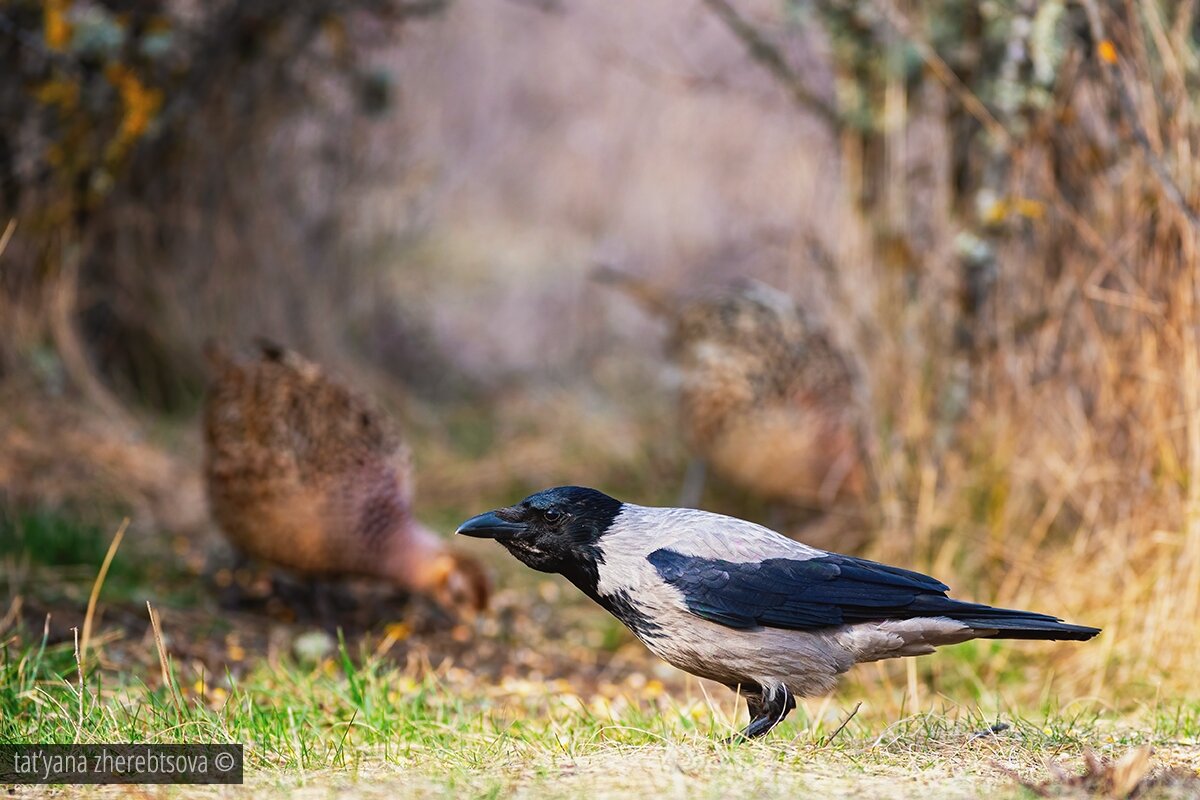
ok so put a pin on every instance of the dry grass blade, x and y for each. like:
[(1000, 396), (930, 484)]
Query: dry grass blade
[(163, 662), (946, 75), (79, 669), (1170, 186), (97, 585), (6, 237), (12, 615)]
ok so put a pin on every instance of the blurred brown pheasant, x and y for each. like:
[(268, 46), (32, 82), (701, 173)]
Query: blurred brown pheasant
[(766, 400), (305, 474)]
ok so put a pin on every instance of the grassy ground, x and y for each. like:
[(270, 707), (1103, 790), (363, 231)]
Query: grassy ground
[(368, 725), (542, 697)]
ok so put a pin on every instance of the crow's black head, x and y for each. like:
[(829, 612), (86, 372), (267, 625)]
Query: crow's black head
[(555, 530)]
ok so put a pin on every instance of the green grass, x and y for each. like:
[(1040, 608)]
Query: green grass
[(361, 719), (61, 553), (356, 718), (53, 539)]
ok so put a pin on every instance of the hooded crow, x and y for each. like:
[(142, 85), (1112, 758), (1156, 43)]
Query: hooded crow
[(737, 603)]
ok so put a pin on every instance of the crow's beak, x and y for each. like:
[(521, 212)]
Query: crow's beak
[(490, 526)]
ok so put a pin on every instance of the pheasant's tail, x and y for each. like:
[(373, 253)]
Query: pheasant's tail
[(651, 298), (270, 349)]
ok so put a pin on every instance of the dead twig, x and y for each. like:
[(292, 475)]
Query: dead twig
[(842, 727)]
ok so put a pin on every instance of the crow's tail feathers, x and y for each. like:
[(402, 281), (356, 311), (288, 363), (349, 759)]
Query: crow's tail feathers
[(1031, 626), (1006, 622)]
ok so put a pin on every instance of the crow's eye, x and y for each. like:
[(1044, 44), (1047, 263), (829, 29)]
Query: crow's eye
[(552, 515)]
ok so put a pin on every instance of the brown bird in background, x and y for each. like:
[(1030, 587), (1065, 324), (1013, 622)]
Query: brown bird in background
[(304, 473), (766, 399)]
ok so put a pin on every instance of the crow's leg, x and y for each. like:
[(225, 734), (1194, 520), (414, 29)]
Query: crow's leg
[(694, 478), (772, 707), (767, 709)]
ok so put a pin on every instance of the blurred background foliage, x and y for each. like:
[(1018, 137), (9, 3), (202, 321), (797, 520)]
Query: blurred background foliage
[(991, 205), (141, 147)]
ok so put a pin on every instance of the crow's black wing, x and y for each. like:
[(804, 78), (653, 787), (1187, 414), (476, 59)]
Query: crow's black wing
[(831, 590)]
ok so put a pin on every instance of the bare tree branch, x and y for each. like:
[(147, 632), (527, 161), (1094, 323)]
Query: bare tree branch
[(1112, 72), (946, 75), (768, 56)]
